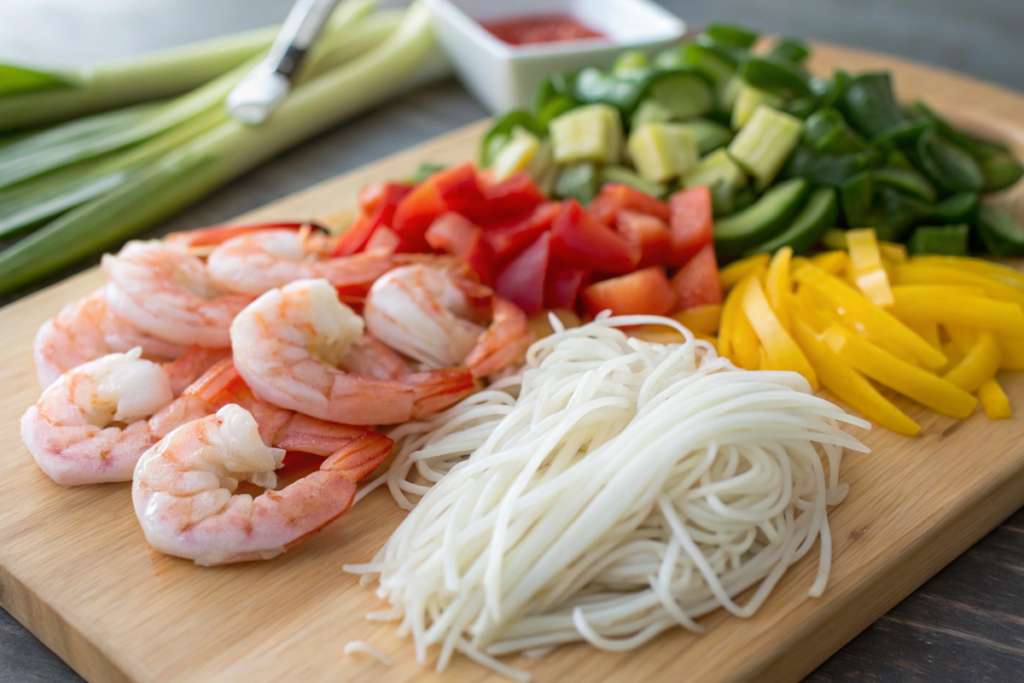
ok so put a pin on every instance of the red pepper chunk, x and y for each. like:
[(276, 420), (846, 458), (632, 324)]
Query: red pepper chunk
[(691, 223), (563, 286), (522, 280), (645, 292), (578, 239), (510, 199), (614, 197), (506, 242), (460, 237), (376, 194), (649, 233), (696, 283), (452, 189)]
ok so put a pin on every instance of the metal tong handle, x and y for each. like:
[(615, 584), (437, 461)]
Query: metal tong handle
[(300, 29)]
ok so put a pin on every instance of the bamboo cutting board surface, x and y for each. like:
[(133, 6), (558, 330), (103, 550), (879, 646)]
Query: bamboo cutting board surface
[(76, 570)]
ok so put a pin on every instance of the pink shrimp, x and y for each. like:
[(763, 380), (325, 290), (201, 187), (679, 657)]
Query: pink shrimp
[(256, 262), (168, 294), (435, 316), (290, 346), (183, 486)]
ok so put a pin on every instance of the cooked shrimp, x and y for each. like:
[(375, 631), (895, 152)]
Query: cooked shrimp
[(70, 338), (72, 430), (86, 330), (169, 295), (290, 344), (183, 490), (434, 315), (255, 262)]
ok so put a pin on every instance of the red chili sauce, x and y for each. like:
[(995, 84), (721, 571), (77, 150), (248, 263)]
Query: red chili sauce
[(539, 28)]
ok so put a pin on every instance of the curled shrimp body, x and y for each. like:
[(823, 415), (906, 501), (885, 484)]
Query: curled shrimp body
[(439, 318), (168, 294), (184, 490), (93, 423), (255, 262), (71, 430), (290, 346)]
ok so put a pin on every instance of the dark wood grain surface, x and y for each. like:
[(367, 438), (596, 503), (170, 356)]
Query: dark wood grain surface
[(965, 624)]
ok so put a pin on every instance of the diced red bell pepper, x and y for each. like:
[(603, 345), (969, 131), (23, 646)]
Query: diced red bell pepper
[(563, 286), (452, 189), (614, 197), (459, 236), (522, 280), (649, 233), (218, 234), (376, 194), (645, 292), (696, 283), (358, 234), (506, 242), (691, 223), (578, 239), (385, 238), (510, 199)]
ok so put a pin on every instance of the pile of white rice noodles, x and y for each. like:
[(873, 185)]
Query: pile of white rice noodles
[(617, 489)]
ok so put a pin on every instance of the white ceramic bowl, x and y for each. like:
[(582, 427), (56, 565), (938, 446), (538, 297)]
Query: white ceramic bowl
[(504, 76)]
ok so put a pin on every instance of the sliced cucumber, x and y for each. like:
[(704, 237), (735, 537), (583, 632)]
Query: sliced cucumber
[(765, 142), (716, 167), (589, 133), (650, 111), (808, 227), (662, 151), (577, 181), (748, 99), (709, 135), (625, 176), (762, 220), (684, 92), (516, 154)]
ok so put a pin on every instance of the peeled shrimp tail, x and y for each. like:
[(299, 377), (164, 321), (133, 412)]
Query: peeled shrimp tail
[(504, 342), (439, 389)]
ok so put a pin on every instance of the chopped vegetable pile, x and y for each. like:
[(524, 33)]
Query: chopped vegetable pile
[(786, 155), (933, 328), (625, 251)]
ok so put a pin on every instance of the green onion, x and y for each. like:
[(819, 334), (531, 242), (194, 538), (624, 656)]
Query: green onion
[(224, 151)]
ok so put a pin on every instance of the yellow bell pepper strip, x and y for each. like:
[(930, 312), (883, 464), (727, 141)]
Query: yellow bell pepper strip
[(929, 331), (781, 352), (744, 344), (849, 385), (832, 262), (893, 252), (704, 319), (659, 334), (944, 305), (993, 400), (732, 274), (807, 308), (980, 364), (870, 321), (778, 285), (1012, 349), (917, 273), (954, 354), (997, 271), (963, 337), (866, 266), (911, 381)]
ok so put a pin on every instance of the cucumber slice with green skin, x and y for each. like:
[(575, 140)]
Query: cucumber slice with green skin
[(949, 240), (577, 181), (594, 86), (808, 227), (662, 151), (685, 93), (999, 232), (732, 34), (713, 63), (827, 132), (589, 133), (949, 166), (625, 176), (868, 103), (745, 198), (856, 196), (760, 221), (748, 99), (765, 142), (1001, 171), (716, 167), (672, 58), (958, 208), (775, 75), (709, 135), (723, 198), (829, 170), (650, 111), (628, 61), (908, 180), (790, 50)]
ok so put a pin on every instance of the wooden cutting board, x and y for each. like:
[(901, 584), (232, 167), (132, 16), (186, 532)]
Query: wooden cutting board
[(75, 568)]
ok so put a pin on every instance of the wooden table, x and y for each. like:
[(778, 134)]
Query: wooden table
[(966, 624)]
